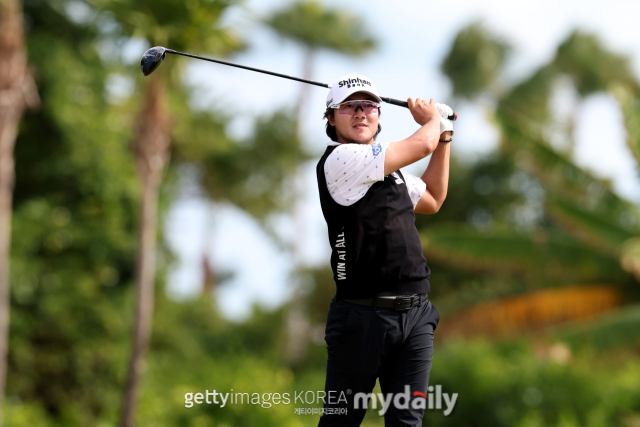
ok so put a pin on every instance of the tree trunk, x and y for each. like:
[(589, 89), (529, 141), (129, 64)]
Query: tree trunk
[(297, 319), (630, 256), (208, 278), (151, 150), (298, 326), (17, 92), (305, 90)]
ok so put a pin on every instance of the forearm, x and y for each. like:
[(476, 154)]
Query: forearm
[(415, 148), (427, 136), (436, 176)]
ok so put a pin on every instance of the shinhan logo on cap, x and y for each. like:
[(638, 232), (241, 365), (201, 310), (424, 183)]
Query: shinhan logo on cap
[(354, 82), (376, 149)]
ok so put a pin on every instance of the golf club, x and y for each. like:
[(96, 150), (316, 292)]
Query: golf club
[(153, 57)]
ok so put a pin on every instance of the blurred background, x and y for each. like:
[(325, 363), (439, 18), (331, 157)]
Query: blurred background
[(163, 235)]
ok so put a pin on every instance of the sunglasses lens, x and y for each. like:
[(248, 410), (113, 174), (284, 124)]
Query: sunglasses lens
[(351, 107), (370, 107), (347, 108)]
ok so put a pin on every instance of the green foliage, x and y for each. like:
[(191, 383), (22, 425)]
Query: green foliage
[(175, 24), (74, 243), (486, 199), (525, 108), (193, 349), (609, 332), (609, 234), (73, 235), (568, 200), (552, 256), (507, 385), (630, 106), (474, 61), (485, 184), (316, 27), (591, 66), (256, 173), (75, 224)]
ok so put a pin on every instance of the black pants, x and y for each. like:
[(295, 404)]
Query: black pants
[(363, 344)]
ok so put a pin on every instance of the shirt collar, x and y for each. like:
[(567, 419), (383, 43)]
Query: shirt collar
[(332, 143)]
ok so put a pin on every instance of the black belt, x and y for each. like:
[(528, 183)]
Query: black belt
[(404, 302)]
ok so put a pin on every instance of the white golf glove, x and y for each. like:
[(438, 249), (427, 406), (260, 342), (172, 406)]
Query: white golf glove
[(445, 124)]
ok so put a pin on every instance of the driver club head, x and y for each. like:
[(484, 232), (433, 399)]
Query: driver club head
[(152, 59)]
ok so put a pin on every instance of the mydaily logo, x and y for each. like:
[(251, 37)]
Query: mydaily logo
[(432, 400), (354, 82)]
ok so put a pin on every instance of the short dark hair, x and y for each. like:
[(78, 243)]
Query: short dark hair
[(331, 130)]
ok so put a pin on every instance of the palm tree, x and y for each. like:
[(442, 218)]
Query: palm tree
[(186, 26), (151, 151), (595, 232), (17, 93)]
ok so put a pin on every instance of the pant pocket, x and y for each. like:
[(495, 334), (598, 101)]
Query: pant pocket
[(337, 320), (437, 315)]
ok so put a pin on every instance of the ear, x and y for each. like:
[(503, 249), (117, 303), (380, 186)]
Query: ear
[(331, 119)]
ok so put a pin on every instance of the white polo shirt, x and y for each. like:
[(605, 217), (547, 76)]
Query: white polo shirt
[(351, 169)]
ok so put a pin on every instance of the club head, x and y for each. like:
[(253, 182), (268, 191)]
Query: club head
[(152, 59)]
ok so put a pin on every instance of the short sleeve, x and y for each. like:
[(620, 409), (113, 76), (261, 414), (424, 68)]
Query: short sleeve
[(351, 169), (415, 186)]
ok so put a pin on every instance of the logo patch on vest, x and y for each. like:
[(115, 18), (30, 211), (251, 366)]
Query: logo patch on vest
[(398, 179), (376, 150)]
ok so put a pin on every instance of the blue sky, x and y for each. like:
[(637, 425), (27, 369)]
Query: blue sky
[(414, 36)]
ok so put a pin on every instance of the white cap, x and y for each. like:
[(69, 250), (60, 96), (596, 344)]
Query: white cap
[(349, 84)]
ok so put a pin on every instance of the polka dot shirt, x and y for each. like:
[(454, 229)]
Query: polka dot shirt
[(351, 169)]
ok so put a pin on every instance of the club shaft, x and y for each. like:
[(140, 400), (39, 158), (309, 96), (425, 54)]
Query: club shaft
[(397, 102), (271, 73), (311, 82)]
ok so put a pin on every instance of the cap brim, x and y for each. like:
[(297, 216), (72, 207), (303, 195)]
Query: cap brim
[(364, 91)]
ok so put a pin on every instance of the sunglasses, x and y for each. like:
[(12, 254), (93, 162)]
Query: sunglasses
[(351, 107)]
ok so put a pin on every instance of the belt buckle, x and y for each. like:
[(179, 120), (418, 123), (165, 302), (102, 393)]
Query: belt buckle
[(403, 303)]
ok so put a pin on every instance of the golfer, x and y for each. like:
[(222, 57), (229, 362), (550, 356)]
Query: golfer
[(380, 322)]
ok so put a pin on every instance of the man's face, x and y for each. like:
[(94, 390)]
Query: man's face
[(356, 128)]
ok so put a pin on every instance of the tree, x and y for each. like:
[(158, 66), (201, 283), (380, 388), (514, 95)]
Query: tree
[(73, 221), (151, 152), (17, 93), (474, 62), (583, 231), (185, 27), (250, 174)]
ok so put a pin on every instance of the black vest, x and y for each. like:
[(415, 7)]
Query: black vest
[(375, 245)]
